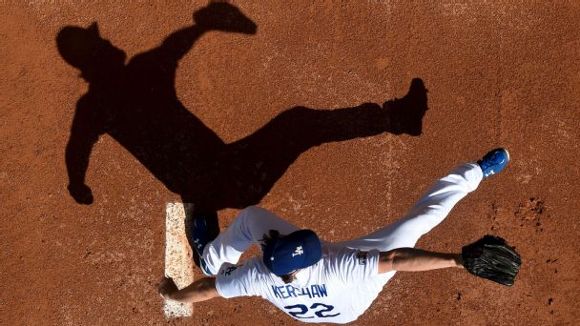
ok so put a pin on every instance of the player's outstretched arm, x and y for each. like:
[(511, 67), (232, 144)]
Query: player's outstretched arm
[(416, 260), (200, 290)]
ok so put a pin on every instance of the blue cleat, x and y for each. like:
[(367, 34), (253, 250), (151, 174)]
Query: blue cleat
[(202, 233), (494, 162), (198, 246)]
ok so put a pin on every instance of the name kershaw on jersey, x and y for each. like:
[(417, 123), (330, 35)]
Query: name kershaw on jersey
[(290, 291)]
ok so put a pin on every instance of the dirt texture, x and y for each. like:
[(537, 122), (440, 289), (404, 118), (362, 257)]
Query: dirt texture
[(267, 107)]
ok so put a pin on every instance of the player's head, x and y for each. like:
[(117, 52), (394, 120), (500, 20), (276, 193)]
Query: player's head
[(284, 255), (84, 49)]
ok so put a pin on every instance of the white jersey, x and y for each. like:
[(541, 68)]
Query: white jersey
[(337, 289), (344, 283)]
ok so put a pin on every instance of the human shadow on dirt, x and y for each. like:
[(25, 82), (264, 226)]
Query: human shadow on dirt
[(137, 105)]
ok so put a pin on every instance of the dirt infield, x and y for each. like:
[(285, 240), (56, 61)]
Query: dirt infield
[(221, 120)]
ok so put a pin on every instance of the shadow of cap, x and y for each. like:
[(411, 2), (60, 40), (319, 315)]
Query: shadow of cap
[(78, 45)]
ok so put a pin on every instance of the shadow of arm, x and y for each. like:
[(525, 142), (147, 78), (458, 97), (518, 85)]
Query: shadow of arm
[(216, 16), (176, 45), (85, 132)]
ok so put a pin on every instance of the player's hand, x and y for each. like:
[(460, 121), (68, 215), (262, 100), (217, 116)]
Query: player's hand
[(81, 193), (167, 287)]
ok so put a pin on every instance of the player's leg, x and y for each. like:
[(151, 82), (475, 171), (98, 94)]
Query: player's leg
[(432, 208), (248, 228), (427, 213), (435, 205)]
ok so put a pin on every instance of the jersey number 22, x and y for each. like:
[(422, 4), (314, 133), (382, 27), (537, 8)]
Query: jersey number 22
[(303, 310)]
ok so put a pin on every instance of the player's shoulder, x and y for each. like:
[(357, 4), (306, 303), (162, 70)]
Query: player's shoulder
[(340, 257), (336, 251), (252, 268)]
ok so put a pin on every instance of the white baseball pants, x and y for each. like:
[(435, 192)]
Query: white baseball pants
[(253, 222)]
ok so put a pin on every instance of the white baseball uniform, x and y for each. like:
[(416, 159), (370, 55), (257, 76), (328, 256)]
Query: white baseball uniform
[(344, 283)]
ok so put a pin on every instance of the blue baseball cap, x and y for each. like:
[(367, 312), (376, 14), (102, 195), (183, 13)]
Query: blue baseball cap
[(297, 250)]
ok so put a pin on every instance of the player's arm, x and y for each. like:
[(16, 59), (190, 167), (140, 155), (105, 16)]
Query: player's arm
[(416, 260), (200, 290)]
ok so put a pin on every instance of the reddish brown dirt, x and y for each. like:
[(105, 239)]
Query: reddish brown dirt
[(497, 74)]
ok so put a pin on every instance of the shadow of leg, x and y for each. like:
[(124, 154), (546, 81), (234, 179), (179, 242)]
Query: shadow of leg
[(407, 113), (256, 162)]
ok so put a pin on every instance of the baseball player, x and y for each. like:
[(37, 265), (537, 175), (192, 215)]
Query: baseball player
[(316, 281)]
